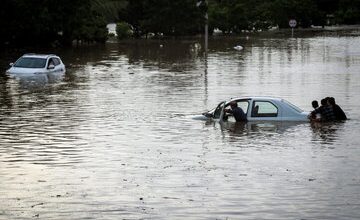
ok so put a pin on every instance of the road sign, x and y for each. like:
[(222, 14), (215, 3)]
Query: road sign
[(292, 23)]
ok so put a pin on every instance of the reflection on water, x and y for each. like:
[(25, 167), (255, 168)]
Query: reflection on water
[(112, 138), (259, 127), (326, 133), (35, 81)]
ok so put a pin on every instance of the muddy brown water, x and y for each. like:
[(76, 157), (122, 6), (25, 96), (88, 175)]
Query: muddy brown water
[(113, 138)]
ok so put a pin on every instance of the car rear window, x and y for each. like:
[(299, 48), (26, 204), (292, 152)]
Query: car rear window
[(293, 106), (30, 62)]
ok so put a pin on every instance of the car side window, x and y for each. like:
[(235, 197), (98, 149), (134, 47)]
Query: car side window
[(264, 109), (243, 105), (51, 62), (56, 61)]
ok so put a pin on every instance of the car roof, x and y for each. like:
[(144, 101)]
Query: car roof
[(257, 98), (44, 56)]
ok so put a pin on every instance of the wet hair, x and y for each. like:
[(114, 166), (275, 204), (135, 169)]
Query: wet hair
[(315, 104), (331, 100), (323, 101)]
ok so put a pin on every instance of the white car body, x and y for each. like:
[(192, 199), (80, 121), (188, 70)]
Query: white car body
[(258, 109), (32, 64)]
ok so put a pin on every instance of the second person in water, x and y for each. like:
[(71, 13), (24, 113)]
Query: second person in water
[(328, 111)]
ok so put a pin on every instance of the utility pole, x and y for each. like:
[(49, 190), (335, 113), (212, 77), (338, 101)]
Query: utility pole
[(206, 31), (203, 5)]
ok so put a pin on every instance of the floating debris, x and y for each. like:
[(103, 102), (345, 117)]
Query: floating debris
[(37, 205)]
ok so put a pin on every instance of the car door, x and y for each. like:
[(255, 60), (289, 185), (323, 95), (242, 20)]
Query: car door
[(264, 110), (219, 111)]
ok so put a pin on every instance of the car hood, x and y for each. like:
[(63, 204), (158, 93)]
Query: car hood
[(200, 117), (25, 71)]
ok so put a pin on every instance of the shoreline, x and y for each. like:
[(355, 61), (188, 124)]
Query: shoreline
[(344, 30), (284, 32)]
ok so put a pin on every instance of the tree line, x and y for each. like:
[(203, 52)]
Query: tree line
[(63, 22)]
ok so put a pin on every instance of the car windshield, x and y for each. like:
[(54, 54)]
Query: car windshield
[(30, 62)]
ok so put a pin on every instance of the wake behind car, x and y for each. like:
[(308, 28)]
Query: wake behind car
[(32, 64), (257, 109)]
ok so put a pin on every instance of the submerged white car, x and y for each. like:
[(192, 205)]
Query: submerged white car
[(30, 64), (258, 109)]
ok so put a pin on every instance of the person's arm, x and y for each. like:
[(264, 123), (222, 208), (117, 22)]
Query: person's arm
[(312, 114), (229, 111)]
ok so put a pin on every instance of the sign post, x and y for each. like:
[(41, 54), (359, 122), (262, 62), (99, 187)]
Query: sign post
[(292, 24)]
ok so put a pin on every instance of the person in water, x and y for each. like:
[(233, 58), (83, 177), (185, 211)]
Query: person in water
[(315, 117), (237, 112), (315, 104), (338, 112), (325, 110)]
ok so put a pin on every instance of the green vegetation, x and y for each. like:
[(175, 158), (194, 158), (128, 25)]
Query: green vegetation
[(123, 30), (167, 17), (36, 22), (54, 22)]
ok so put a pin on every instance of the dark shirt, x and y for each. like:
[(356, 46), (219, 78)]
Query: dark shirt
[(238, 114), (326, 112), (339, 113)]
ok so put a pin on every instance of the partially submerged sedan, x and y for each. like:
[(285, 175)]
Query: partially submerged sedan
[(258, 109)]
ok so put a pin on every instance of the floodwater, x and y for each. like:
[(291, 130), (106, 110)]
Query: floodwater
[(113, 138)]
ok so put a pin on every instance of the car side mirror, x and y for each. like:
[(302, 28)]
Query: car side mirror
[(11, 64), (51, 66)]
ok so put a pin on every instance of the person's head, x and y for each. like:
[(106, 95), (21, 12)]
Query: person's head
[(323, 102), (331, 100), (315, 104), (233, 104)]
